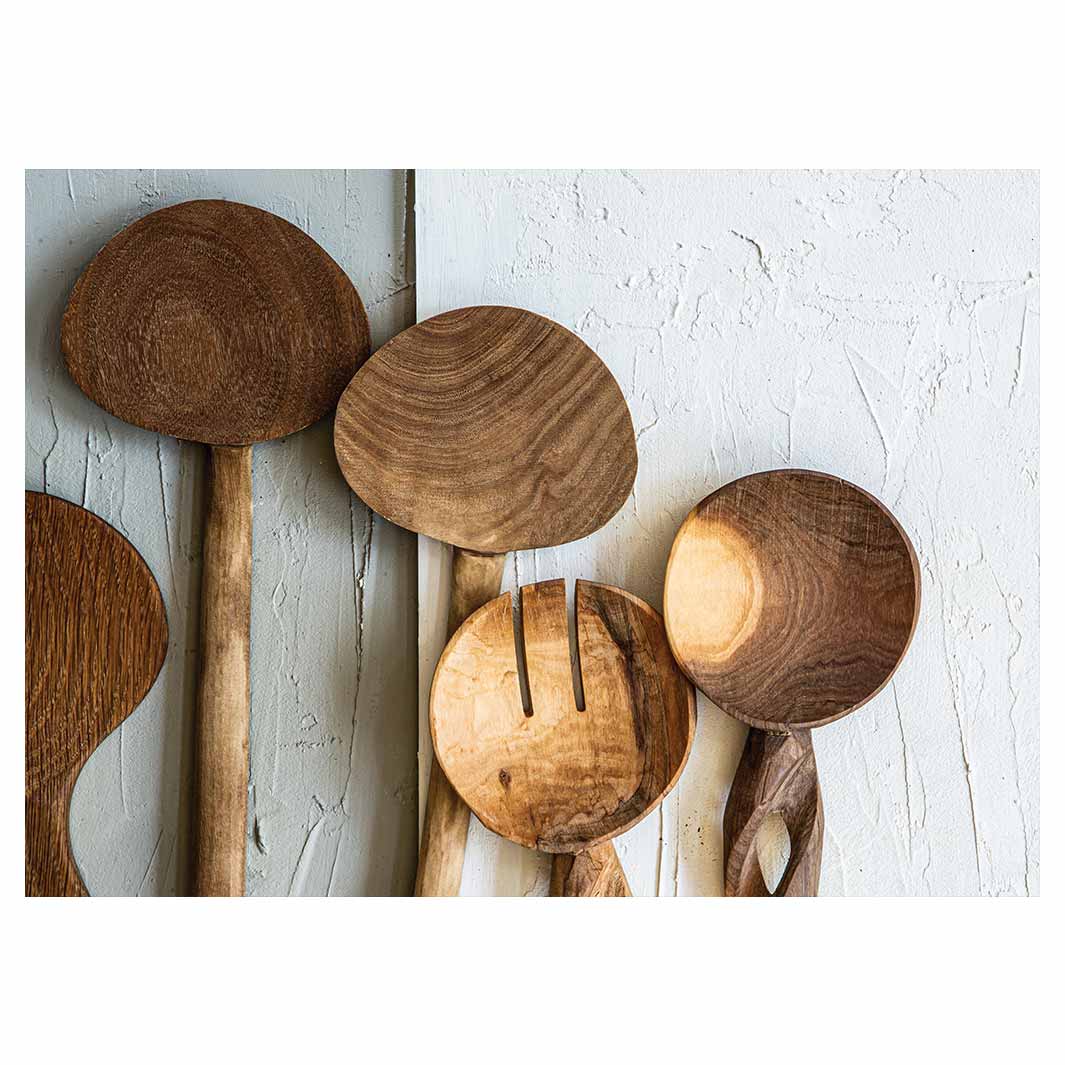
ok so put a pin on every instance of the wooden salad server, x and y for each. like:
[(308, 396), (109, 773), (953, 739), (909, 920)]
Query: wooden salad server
[(96, 638), (551, 774), (494, 430), (790, 599), (223, 324)]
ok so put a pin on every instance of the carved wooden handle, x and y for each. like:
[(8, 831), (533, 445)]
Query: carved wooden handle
[(50, 868), (224, 695), (475, 580), (594, 873), (777, 774)]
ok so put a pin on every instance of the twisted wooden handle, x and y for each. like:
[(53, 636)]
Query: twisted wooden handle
[(475, 580), (777, 774), (594, 873), (224, 697)]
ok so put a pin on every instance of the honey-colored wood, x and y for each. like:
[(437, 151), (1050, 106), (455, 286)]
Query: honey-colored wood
[(219, 323), (224, 696), (550, 775), (96, 638), (492, 429), (594, 873), (215, 322), (790, 599), (777, 774), (475, 580)]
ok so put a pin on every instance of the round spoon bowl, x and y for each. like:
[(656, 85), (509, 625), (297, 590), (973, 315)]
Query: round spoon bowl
[(489, 428), (790, 598), (546, 774), (214, 322)]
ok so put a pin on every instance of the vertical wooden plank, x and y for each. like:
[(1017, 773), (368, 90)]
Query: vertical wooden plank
[(333, 788)]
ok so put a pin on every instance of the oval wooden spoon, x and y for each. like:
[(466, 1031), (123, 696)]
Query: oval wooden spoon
[(494, 430), (95, 641), (222, 324), (553, 776), (790, 599)]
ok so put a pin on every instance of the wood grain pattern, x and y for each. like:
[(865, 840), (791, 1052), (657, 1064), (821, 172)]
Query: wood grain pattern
[(490, 428), (475, 580), (593, 873), (219, 323), (777, 774), (215, 322), (550, 775), (224, 696), (790, 598), (96, 637), (495, 430)]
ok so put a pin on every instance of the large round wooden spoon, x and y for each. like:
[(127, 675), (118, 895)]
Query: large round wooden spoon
[(494, 430), (218, 323), (95, 642), (790, 599), (551, 775)]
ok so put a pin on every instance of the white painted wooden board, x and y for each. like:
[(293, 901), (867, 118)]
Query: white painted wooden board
[(333, 777), (883, 326)]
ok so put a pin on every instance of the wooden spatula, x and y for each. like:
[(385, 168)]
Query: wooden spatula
[(218, 323), (790, 599), (553, 775), (95, 641), (494, 430)]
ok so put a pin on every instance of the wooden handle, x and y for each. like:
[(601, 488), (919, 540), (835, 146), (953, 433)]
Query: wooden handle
[(224, 696), (594, 873), (475, 580), (50, 868), (777, 774)]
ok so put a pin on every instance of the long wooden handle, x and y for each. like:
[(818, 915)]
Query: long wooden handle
[(594, 873), (224, 695), (777, 774), (475, 580), (50, 867)]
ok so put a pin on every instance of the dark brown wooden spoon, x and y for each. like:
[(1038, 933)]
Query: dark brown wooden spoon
[(495, 430), (95, 641), (790, 599), (223, 324), (551, 775)]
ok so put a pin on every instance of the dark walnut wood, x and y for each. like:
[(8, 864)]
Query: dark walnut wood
[(550, 775), (96, 638), (777, 774), (489, 428), (219, 323), (790, 598), (215, 322), (495, 430)]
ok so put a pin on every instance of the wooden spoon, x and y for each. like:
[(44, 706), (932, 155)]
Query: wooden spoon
[(218, 323), (790, 599), (95, 641), (550, 775), (494, 430)]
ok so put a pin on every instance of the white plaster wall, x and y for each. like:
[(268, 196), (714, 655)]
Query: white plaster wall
[(883, 326), (334, 718)]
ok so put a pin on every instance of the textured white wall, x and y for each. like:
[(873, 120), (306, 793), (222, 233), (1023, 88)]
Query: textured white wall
[(883, 326), (333, 780)]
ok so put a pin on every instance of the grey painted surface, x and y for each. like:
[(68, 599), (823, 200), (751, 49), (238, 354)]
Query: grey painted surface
[(332, 805), (880, 325)]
